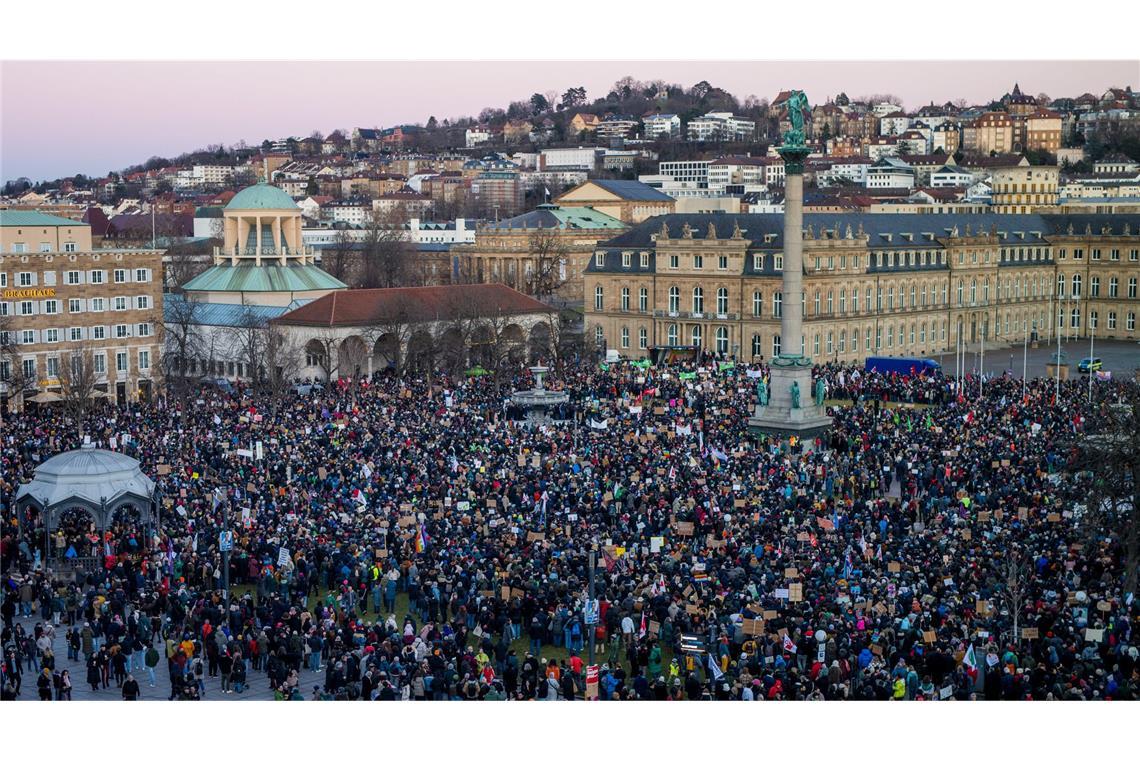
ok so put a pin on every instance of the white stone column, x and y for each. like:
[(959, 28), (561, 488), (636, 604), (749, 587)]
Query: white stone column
[(257, 244)]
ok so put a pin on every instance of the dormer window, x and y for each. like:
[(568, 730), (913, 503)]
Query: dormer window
[(644, 259), (626, 259), (600, 259)]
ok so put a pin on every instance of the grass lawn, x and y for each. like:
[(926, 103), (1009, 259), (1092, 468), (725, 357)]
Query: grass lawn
[(520, 646), (846, 402)]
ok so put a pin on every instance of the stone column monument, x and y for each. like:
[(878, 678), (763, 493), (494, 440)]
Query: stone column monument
[(790, 409)]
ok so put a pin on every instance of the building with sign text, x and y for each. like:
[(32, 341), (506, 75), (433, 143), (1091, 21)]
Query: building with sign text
[(74, 318)]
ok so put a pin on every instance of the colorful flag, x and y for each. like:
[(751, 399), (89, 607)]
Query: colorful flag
[(971, 662), (789, 645), (421, 539)]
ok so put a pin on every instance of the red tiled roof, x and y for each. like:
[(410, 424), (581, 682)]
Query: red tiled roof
[(376, 306)]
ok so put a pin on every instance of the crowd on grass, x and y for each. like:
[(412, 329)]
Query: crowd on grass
[(408, 539)]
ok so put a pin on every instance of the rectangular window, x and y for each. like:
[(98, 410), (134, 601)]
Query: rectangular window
[(3, 279), (120, 303), (143, 329), (722, 262), (778, 262), (27, 336), (19, 248), (49, 278), (122, 331), (27, 308), (99, 332), (29, 366), (600, 259), (27, 279), (74, 278), (51, 307), (45, 247), (626, 259), (53, 366), (75, 333), (121, 361), (100, 364), (144, 359), (644, 260), (70, 247), (698, 261), (98, 304), (120, 275), (74, 305), (51, 335), (95, 276), (142, 302), (674, 261)]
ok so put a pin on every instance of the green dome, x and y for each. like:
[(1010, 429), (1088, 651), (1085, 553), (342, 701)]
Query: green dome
[(262, 196)]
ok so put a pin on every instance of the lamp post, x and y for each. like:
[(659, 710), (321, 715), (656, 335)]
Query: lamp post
[(1092, 340), (1024, 356)]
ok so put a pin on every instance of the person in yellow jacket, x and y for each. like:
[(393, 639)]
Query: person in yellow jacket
[(674, 669), (899, 691)]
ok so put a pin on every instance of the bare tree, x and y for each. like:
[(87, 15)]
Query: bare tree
[(548, 261), (77, 379), (181, 338), (248, 337), (1107, 469), (386, 250), (327, 356), (283, 360), (12, 373), (1013, 586), (340, 258)]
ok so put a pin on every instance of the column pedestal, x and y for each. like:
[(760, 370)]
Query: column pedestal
[(779, 419)]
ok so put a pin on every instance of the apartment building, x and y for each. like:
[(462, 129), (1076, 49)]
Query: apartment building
[(69, 310), (663, 125), (686, 171), (1024, 189), (721, 125)]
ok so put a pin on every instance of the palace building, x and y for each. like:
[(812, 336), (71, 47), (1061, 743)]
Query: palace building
[(873, 284)]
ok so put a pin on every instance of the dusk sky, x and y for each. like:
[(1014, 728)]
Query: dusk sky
[(60, 118)]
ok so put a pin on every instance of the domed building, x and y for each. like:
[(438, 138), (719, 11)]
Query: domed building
[(262, 261)]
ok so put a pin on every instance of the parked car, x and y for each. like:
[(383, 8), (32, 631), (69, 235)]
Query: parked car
[(1089, 364)]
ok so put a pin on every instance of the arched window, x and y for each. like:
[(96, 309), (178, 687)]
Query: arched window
[(696, 333), (913, 297), (1076, 286), (1092, 319), (921, 332), (891, 298), (830, 342), (986, 290), (959, 292), (674, 299), (1061, 285), (698, 301), (842, 341), (722, 340), (757, 303), (599, 335), (778, 304), (672, 334), (973, 292), (1113, 287), (625, 299), (599, 298), (642, 338), (757, 346), (924, 295), (867, 340), (722, 301), (776, 344), (815, 344), (843, 300), (1075, 318)]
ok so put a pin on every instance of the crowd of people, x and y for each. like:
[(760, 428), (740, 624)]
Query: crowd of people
[(409, 539)]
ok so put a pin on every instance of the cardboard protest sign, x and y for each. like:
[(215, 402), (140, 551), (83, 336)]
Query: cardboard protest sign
[(1104, 606), (791, 572), (929, 636), (752, 627), (1053, 517), (1028, 633), (683, 528), (534, 536), (164, 469), (1094, 634), (893, 567), (770, 614), (795, 592)]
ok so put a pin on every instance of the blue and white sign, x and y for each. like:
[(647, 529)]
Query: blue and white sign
[(226, 540)]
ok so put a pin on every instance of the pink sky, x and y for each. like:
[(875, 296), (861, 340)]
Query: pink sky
[(59, 118)]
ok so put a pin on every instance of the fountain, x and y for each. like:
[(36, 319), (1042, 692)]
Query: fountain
[(537, 403)]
